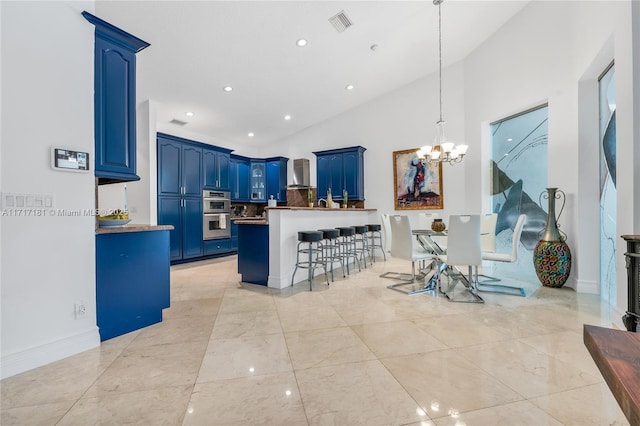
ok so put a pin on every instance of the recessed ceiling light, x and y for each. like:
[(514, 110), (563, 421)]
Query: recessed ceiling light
[(227, 88), (301, 43), (287, 117), (250, 134), (509, 140), (188, 114), (349, 87)]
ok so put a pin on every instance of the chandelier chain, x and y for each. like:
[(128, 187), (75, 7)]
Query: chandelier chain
[(440, 52)]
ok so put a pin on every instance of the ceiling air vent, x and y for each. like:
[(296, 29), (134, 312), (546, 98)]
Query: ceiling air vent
[(178, 122), (340, 21)]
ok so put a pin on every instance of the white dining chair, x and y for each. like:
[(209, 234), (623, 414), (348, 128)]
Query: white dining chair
[(489, 284), (386, 232), (404, 246), (464, 249)]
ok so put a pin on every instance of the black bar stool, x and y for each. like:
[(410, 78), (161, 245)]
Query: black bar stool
[(375, 232), (314, 251), (348, 246), (361, 243), (331, 247)]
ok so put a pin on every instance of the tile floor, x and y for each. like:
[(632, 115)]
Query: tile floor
[(353, 353)]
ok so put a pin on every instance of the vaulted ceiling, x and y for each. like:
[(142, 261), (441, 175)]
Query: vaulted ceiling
[(200, 47)]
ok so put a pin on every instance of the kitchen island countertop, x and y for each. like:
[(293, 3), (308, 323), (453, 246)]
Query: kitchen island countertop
[(133, 228)]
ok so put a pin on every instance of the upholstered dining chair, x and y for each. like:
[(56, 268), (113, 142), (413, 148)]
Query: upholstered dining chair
[(489, 284), (464, 249), (404, 246), (488, 232)]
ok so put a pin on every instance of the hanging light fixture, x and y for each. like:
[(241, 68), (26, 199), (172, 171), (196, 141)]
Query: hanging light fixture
[(442, 151)]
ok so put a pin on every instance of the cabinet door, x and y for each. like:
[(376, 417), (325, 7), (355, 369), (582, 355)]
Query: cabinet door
[(210, 168), (223, 162), (273, 180), (257, 182), (170, 213), (351, 175), (336, 172), (192, 228), (277, 179), (191, 171), (323, 176), (243, 181), (169, 160), (233, 184), (114, 114)]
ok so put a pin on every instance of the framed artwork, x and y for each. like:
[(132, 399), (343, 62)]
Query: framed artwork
[(417, 184)]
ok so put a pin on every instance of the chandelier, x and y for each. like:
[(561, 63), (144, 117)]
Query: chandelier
[(442, 151)]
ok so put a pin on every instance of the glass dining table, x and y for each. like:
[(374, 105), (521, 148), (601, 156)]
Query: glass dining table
[(439, 268)]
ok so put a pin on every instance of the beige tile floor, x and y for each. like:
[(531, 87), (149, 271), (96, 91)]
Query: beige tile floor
[(352, 353)]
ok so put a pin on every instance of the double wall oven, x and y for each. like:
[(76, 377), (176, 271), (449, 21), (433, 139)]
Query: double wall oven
[(216, 214)]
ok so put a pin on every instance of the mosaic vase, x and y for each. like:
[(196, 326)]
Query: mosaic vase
[(438, 225), (552, 257)]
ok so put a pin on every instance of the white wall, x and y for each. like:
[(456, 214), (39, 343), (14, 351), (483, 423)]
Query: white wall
[(403, 119), (48, 262)]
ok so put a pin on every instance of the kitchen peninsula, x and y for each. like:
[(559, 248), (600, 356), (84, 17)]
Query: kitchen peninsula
[(267, 247)]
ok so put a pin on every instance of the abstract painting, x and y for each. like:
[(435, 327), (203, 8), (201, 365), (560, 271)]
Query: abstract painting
[(418, 184)]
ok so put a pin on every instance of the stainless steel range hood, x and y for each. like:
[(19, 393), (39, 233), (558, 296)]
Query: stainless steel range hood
[(300, 173)]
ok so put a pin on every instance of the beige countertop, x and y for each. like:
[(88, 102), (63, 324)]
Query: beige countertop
[(324, 209), (131, 227)]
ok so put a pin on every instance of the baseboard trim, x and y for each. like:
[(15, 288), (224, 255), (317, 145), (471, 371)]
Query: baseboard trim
[(587, 286), (19, 362)]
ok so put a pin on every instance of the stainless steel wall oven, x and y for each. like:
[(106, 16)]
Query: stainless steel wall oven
[(216, 214)]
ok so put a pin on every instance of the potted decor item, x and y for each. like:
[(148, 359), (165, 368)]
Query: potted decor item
[(310, 197), (552, 257), (438, 225), (345, 199)]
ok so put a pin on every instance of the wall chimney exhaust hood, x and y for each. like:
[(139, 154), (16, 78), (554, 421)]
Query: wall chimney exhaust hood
[(300, 173)]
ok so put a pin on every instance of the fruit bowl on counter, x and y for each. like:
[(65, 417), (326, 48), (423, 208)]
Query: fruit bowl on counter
[(116, 220)]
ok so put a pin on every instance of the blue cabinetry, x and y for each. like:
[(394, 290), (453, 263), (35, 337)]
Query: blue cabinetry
[(253, 253), (185, 214), (114, 101), (132, 280), (180, 179), (277, 178), (215, 167), (179, 168), (258, 181), (339, 170), (240, 167)]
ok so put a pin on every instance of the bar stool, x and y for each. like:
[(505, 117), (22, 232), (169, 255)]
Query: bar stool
[(375, 232), (314, 251), (347, 245), (331, 247), (362, 239)]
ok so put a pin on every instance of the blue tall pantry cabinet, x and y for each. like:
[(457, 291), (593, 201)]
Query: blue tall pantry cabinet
[(180, 195)]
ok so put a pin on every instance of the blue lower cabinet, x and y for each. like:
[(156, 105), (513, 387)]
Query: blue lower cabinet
[(253, 253), (217, 246), (132, 281), (234, 235)]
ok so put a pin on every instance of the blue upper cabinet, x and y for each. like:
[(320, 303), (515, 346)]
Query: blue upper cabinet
[(114, 101), (216, 167), (277, 178), (257, 181), (240, 178), (339, 170), (179, 168)]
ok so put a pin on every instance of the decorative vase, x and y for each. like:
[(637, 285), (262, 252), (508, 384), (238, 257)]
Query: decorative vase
[(438, 225), (310, 205), (552, 257)]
